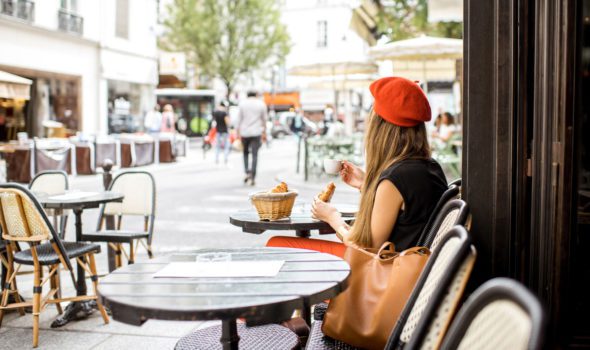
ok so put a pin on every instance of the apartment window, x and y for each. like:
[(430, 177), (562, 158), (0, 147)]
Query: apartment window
[(70, 5), (122, 19), (322, 34), (68, 19)]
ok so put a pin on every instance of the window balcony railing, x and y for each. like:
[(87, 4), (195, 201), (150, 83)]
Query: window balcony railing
[(22, 9), (70, 22)]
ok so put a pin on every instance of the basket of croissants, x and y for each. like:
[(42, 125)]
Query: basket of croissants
[(275, 204)]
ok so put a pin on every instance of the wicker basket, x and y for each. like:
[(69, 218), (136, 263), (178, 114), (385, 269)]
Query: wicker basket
[(273, 206)]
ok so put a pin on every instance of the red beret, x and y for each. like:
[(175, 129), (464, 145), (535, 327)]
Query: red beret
[(400, 101)]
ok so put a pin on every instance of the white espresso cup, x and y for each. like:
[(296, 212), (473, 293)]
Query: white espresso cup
[(332, 166)]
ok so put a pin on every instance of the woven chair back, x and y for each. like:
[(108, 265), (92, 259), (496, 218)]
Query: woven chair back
[(139, 189), (437, 292), (454, 212), (501, 314), (20, 218), (50, 182), (451, 193)]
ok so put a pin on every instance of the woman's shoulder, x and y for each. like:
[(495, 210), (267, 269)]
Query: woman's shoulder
[(411, 168)]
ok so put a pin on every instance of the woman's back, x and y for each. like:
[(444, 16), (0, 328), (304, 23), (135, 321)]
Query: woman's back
[(421, 182)]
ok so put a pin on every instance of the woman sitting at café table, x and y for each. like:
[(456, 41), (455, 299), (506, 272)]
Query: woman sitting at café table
[(402, 183)]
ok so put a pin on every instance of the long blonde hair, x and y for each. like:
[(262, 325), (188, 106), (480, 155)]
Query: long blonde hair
[(385, 145)]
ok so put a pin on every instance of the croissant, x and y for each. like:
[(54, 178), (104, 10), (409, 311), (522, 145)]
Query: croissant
[(327, 194), (280, 188)]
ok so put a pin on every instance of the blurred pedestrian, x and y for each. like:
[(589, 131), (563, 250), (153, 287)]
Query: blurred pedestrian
[(446, 130), (222, 124), (297, 123), (252, 131), (153, 120), (168, 119)]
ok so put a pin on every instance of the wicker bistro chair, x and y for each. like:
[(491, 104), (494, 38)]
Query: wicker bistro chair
[(454, 212), (23, 220), (451, 193), (457, 182), (431, 305), (501, 314), (53, 182), (139, 188)]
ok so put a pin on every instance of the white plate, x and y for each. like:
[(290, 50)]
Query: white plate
[(347, 209)]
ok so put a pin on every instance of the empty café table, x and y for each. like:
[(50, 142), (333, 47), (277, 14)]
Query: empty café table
[(77, 201), (134, 295), (300, 221)]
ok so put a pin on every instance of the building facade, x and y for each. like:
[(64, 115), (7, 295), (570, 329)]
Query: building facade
[(93, 64), (321, 32)]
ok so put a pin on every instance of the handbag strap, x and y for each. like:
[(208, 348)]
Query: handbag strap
[(387, 248), (416, 250)]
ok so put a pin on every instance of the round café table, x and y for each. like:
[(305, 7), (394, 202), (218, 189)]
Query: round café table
[(307, 277), (300, 221), (77, 202)]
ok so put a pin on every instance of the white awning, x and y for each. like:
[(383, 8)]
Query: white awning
[(445, 10), (13, 86)]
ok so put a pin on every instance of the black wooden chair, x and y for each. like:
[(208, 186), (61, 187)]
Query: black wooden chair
[(139, 188), (23, 220), (457, 182), (451, 193), (501, 314), (431, 305), (454, 212), (53, 182)]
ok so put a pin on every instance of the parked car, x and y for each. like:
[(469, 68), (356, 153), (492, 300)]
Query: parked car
[(282, 121)]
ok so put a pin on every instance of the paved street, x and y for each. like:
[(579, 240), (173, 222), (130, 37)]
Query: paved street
[(194, 199)]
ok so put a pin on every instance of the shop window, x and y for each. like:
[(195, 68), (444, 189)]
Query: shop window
[(122, 19), (322, 34)]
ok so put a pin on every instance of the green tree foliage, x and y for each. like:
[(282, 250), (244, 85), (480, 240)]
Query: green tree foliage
[(405, 19), (226, 38)]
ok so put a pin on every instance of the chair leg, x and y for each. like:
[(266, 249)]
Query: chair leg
[(63, 224), (36, 303), (4, 301), (56, 285), (131, 253), (118, 258), (149, 250), (94, 278)]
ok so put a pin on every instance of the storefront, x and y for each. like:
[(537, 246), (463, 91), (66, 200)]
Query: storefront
[(14, 93), (127, 103), (525, 160), (129, 82), (53, 99)]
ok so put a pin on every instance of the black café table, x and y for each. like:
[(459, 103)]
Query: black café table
[(306, 278), (78, 310), (300, 221)]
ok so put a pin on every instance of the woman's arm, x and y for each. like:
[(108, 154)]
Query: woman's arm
[(327, 213), (388, 203)]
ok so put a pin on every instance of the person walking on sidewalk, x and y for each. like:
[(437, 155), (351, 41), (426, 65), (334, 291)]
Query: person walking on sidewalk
[(252, 131), (222, 127)]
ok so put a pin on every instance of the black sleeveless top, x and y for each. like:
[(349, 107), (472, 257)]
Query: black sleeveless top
[(421, 183)]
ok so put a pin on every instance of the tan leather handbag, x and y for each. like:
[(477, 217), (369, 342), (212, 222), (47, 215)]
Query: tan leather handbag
[(379, 285)]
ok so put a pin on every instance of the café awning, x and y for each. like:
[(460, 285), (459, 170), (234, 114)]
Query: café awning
[(13, 86), (421, 48), (334, 68)]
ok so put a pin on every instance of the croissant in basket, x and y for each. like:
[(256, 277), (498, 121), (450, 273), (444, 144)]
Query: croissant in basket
[(327, 194), (280, 188)]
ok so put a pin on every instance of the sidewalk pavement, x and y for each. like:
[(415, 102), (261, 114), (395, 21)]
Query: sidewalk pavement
[(194, 199)]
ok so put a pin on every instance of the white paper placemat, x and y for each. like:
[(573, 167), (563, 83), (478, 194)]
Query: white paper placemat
[(268, 268), (72, 195)]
